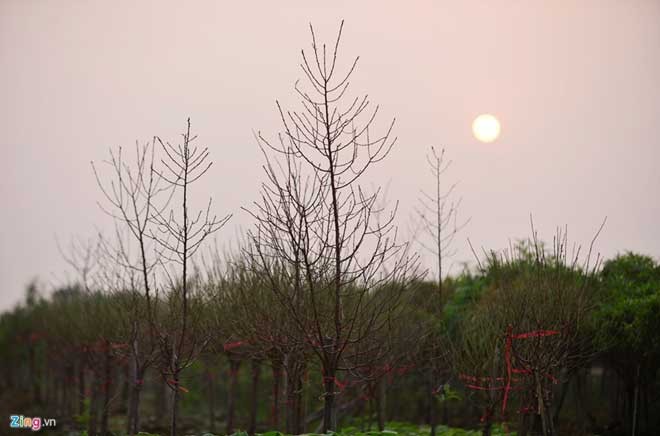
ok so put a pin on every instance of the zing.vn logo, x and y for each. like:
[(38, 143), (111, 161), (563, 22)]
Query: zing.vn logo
[(34, 424)]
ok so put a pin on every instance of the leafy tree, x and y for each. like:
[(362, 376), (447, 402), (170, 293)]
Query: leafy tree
[(628, 322)]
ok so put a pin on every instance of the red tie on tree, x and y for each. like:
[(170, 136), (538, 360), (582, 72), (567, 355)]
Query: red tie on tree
[(485, 383)]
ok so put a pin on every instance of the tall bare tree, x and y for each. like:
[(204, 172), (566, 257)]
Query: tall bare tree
[(134, 194), (438, 217), (438, 214), (180, 233), (316, 223)]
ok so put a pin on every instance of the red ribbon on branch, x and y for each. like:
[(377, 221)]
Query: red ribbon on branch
[(536, 334), (484, 383), (231, 345), (175, 385), (341, 385)]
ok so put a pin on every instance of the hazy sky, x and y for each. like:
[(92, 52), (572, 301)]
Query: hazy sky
[(575, 84)]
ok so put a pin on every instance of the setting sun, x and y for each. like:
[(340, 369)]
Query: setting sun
[(486, 128)]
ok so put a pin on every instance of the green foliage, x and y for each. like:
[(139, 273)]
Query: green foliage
[(392, 429), (407, 429), (83, 419), (448, 394), (468, 288), (627, 316)]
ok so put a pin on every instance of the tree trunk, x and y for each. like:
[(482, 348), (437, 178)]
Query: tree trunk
[(34, 377), (488, 426), (304, 401), (129, 382), (256, 373), (47, 382), (163, 399), (579, 404), (433, 406), (59, 390), (134, 402), (300, 408), (81, 388), (562, 397), (329, 406), (613, 394), (628, 407), (92, 425), (107, 383), (234, 367), (546, 417), (635, 402), (617, 399), (294, 387), (175, 404), (135, 408), (646, 406), (211, 398), (523, 428), (381, 403), (275, 408), (68, 389)]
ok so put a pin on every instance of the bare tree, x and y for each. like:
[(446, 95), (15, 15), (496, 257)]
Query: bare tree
[(135, 194), (179, 235), (265, 333), (319, 226), (477, 357), (538, 306), (96, 328), (438, 218), (438, 214)]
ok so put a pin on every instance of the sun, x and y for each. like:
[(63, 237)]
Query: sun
[(486, 128)]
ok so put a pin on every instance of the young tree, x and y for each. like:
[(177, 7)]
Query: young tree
[(477, 356), (180, 233), (539, 305), (134, 195), (316, 224), (438, 213), (265, 333), (96, 316)]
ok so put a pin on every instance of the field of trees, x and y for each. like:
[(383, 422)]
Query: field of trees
[(324, 319)]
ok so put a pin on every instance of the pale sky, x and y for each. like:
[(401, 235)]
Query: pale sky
[(575, 84)]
